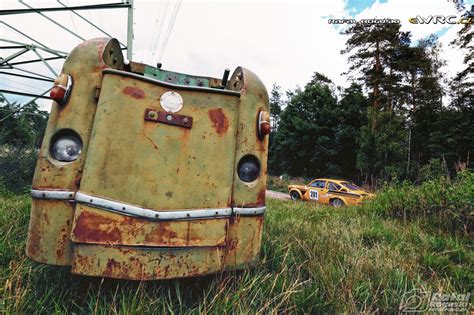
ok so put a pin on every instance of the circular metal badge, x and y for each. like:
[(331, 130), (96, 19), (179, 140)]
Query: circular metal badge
[(171, 102)]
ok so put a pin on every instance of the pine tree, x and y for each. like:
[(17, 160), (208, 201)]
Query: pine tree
[(276, 102), (371, 47)]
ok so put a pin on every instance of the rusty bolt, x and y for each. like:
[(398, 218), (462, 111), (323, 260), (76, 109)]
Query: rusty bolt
[(185, 120), (151, 114)]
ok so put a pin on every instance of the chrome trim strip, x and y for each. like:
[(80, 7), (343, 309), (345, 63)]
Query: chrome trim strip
[(131, 210), (52, 194), (249, 211), (67, 90), (170, 85)]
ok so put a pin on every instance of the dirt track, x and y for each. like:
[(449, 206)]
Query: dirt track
[(277, 195)]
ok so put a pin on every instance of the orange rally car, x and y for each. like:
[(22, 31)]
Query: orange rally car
[(334, 192)]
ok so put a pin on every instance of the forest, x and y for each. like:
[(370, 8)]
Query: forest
[(400, 118)]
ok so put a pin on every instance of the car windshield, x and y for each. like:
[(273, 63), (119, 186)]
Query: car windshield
[(352, 186)]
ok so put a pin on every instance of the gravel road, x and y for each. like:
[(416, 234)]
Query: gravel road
[(277, 195)]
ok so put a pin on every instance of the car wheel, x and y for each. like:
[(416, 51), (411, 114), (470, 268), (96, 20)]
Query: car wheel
[(336, 203), (294, 195)]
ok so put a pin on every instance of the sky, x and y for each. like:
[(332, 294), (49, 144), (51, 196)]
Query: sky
[(283, 42)]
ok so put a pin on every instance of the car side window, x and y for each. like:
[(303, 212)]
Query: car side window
[(334, 186), (318, 184)]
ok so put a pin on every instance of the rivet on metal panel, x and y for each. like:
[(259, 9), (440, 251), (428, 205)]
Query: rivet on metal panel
[(169, 117), (151, 114)]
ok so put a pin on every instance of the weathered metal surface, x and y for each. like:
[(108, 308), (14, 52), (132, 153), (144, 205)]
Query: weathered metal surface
[(168, 118), (244, 237), (253, 99), (159, 166), (49, 230), (134, 163), (97, 226), (84, 64), (145, 263), (175, 77)]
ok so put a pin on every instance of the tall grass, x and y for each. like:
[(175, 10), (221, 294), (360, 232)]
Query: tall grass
[(448, 204), (314, 259)]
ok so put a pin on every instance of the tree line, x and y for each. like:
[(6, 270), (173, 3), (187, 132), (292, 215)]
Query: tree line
[(400, 118), (21, 132)]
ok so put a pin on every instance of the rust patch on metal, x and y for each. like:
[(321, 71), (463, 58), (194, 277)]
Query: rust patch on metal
[(93, 227), (219, 120), (134, 92), (168, 118), (260, 199), (89, 228), (61, 248), (77, 178), (261, 195)]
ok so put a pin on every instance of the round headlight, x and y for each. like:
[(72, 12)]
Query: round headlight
[(248, 168), (66, 148)]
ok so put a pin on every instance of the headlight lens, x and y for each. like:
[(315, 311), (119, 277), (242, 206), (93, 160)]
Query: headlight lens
[(66, 148), (248, 168)]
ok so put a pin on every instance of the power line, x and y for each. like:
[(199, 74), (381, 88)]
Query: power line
[(160, 29), (159, 13), (170, 28), (16, 82)]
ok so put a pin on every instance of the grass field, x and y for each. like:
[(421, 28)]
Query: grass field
[(314, 259)]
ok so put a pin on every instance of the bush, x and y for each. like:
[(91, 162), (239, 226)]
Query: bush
[(17, 167), (450, 204)]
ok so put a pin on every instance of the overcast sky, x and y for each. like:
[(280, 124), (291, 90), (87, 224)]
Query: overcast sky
[(283, 42)]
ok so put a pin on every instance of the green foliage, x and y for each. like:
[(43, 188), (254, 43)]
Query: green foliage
[(22, 126), (21, 133), (382, 151), (432, 171), (17, 166), (447, 204), (316, 134)]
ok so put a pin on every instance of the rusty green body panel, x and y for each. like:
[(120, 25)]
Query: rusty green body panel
[(154, 194)]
